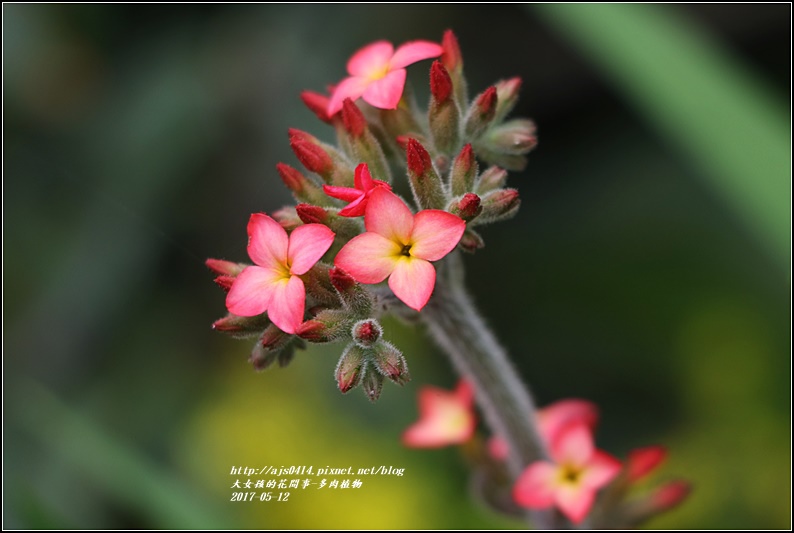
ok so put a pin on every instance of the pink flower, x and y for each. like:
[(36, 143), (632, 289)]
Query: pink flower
[(273, 285), (359, 196), (551, 420), (400, 246), (377, 73), (571, 481), (643, 461), (445, 418)]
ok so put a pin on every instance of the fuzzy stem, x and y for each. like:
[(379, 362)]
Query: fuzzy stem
[(478, 357)]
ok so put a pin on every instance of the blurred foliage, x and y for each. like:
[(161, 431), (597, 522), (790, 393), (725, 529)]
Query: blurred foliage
[(646, 271)]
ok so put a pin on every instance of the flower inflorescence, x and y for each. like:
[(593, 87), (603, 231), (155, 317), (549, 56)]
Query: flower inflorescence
[(318, 266)]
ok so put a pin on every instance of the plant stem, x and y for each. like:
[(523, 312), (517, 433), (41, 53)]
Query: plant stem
[(505, 401)]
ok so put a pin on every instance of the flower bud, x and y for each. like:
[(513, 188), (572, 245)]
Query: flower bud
[(390, 362), (227, 268), (355, 298), (262, 358), (321, 158), (481, 113), (327, 326), (425, 183), (443, 115), (498, 205), (372, 383), (366, 332), (643, 461), (363, 144), (516, 137), (350, 367), (353, 119), (241, 327), (287, 217), (344, 227), (670, 495), (467, 207), (464, 171), (313, 157), (273, 338), (487, 153), (491, 179), (303, 189), (317, 104), (225, 282), (506, 96), (471, 241), (452, 60), (341, 280), (311, 214), (318, 286)]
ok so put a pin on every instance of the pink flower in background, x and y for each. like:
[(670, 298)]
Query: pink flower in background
[(445, 417), (571, 481), (643, 461), (551, 420), (273, 284), (400, 246), (377, 73), (359, 196)]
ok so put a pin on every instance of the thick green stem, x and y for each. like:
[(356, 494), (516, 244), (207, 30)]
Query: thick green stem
[(505, 401)]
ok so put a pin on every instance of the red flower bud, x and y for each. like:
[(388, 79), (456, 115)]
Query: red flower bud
[(225, 282), (486, 103), (670, 495), (312, 156), (221, 266), (341, 280), (391, 363), (643, 461), (349, 368), (372, 383), (451, 56), (366, 332), (440, 82), (469, 206), (311, 330), (291, 177), (317, 104), (464, 171), (471, 241), (273, 338), (353, 119), (241, 326), (418, 158), (311, 214)]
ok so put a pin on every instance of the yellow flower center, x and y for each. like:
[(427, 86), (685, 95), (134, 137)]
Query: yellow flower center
[(569, 474), (378, 72)]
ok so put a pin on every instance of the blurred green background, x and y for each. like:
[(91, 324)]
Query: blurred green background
[(648, 269)]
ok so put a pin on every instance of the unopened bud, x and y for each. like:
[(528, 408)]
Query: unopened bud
[(353, 119), (319, 288), (327, 326), (312, 157), (425, 183), (507, 96), (451, 56), (262, 358), (267, 349), (228, 268), (311, 214), (471, 241), (341, 280), (670, 495), (273, 338), (350, 367), (498, 205), (317, 104), (481, 113), (516, 137), (643, 461), (372, 383), (225, 282), (464, 171), (440, 83), (390, 362), (303, 188), (355, 298), (491, 179), (287, 217), (241, 327), (366, 332), (443, 115), (467, 207), (321, 158)]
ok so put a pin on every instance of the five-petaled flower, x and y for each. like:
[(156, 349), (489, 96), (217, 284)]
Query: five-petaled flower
[(400, 246), (571, 481), (359, 196), (274, 285), (445, 417), (377, 73)]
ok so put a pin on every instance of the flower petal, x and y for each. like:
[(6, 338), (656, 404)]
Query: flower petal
[(368, 258), (352, 88), (412, 281), (356, 208), (574, 501), (371, 58), (444, 420), (601, 469), (362, 178), (385, 93), (348, 194), (288, 303), (535, 487), (307, 244), (267, 241), (435, 234), (414, 51), (556, 416), (387, 215), (252, 291), (574, 445)]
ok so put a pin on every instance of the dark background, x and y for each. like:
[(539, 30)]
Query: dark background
[(138, 139)]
